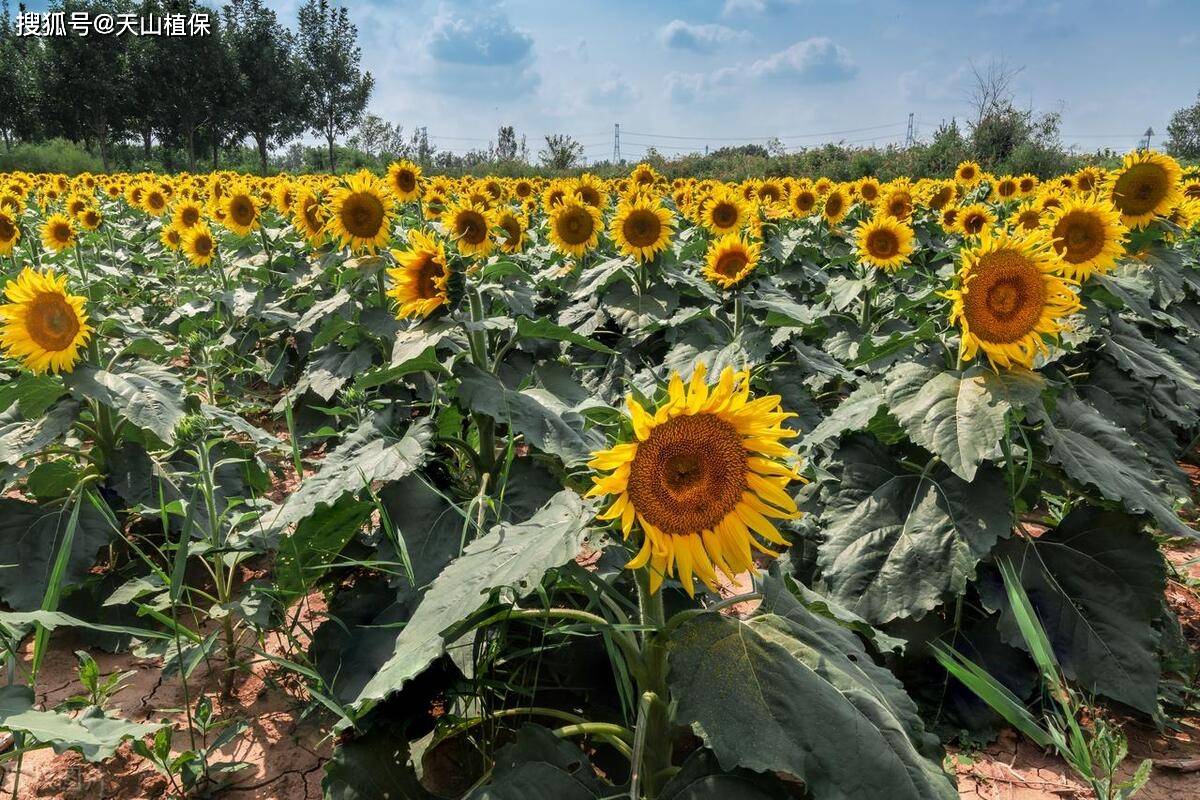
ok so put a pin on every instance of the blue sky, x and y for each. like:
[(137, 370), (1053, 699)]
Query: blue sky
[(804, 70)]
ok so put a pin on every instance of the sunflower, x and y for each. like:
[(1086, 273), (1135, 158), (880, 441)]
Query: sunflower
[(1088, 178), (941, 194), (1087, 235), (591, 190), (1146, 185), (308, 217), (404, 178), (802, 201), (421, 279), (641, 228), (239, 210), (42, 325), (884, 242), (199, 245), (1191, 188), (975, 219), (361, 217), (869, 189), (1007, 188), (58, 233), (171, 238), (1027, 217), (836, 206), (702, 476), (470, 226), (154, 201), (1027, 184), (574, 227), (513, 228), (897, 203), (968, 173), (730, 260), (724, 212), (187, 213), (10, 233), (1009, 297)]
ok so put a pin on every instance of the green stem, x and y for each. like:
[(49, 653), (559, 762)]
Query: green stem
[(739, 312), (865, 319), (652, 742), (477, 338)]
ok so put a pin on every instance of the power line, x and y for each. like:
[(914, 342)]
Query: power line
[(763, 138)]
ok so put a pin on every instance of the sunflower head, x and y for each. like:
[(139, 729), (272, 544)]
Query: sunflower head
[(10, 233), (239, 210), (171, 238), (836, 205), (724, 212), (1009, 297), (703, 477), (884, 242), (187, 214), (1147, 185), (1088, 236), (802, 201), (968, 173), (420, 282), (1006, 188), (1027, 217), (868, 189), (58, 233), (975, 219), (470, 226), (512, 227), (42, 325), (641, 227), (897, 203), (574, 226), (199, 245), (404, 179), (731, 260), (361, 213)]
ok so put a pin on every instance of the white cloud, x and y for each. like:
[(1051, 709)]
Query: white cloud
[(815, 60), (680, 35), (736, 7), (613, 92), (475, 50), (683, 88)]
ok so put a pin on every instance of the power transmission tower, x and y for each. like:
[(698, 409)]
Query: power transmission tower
[(1146, 142), (616, 143), (909, 138)]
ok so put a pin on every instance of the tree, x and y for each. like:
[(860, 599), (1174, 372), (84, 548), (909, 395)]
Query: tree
[(84, 82), (272, 99), (562, 151), (1183, 132), (18, 88), (379, 138), (507, 148), (337, 91)]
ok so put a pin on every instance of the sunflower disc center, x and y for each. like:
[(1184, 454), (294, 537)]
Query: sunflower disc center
[(52, 322)]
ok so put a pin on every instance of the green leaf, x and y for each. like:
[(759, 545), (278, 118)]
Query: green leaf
[(898, 543), (1097, 453), (958, 415), (147, 395), (35, 393), (1096, 583), (29, 539), (801, 696), (373, 766), (21, 438), (329, 371), (852, 414), (96, 737), (542, 328), (1141, 358), (562, 435), (510, 556), (701, 778), (540, 766), (316, 543), (57, 619)]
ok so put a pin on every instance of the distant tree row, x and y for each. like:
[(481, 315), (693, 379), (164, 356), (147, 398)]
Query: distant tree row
[(250, 79)]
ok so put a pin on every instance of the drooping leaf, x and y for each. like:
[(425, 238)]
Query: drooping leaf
[(316, 543), (95, 736), (373, 766), (899, 542), (852, 414), (701, 778), (1095, 582), (542, 328), (958, 415), (29, 538), (21, 438), (540, 766), (513, 557), (801, 696), (147, 395)]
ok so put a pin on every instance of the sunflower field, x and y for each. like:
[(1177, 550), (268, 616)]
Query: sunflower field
[(593, 488)]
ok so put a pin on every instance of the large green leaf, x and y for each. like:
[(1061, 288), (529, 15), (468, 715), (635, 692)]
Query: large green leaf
[(540, 766), (852, 414), (701, 778), (958, 415), (373, 766), (511, 556), (562, 435), (146, 394), (95, 736), (21, 438), (899, 542), (800, 695), (317, 541), (29, 538), (1096, 583), (1095, 452), (370, 453), (1143, 359), (542, 328)]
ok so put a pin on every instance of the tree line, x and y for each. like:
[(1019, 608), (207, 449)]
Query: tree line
[(250, 79)]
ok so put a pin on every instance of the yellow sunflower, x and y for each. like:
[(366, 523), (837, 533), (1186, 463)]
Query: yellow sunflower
[(171, 238), (642, 228), (10, 233), (975, 219), (90, 218), (724, 212), (1088, 236), (802, 201), (42, 325), (897, 203), (58, 233), (869, 189), (1146, 185), (421, 279), (1009, 297), (512, 227), (361, 213), (1027, 184), (199, 245), (308, 217), (187, 213), (239, 210), (730, 260), (884, 242), (836, 206), (470, 227), (968, 173), (703, 476), (574, 226), (1027, 217), (404, 178)]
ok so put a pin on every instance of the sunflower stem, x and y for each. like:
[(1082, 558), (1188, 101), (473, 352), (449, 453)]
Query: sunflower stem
[(739, 312), (477, 338), (652, 741)]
